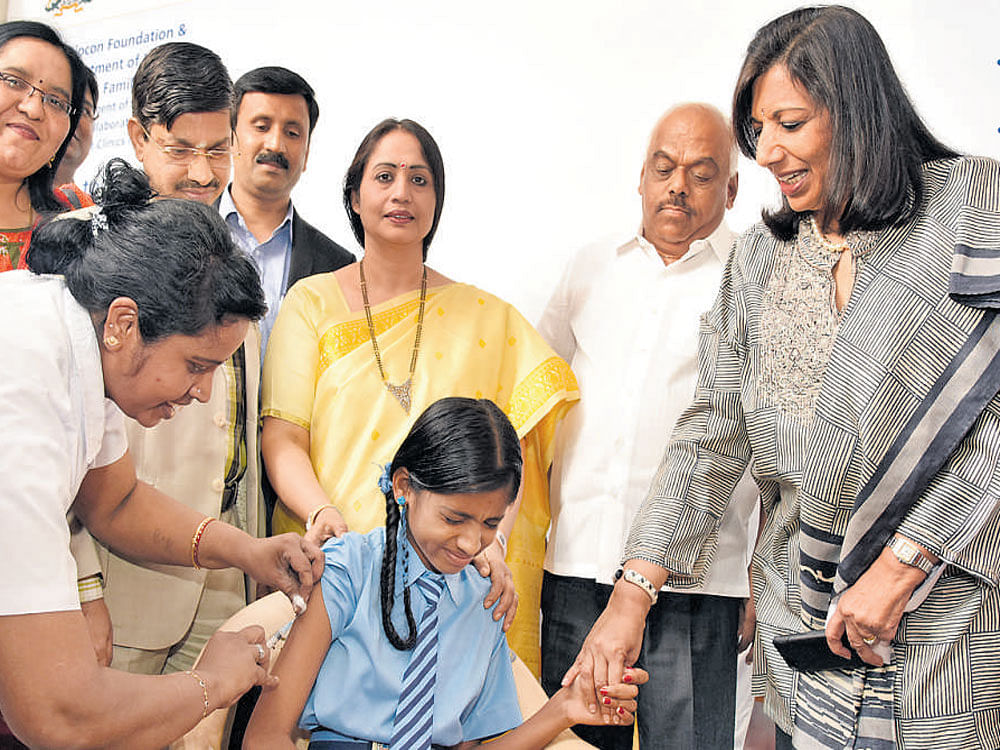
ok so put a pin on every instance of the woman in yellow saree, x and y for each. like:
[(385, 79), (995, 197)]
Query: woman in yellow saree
[(357, 354)]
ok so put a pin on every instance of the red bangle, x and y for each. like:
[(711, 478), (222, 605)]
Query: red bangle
[(196, 540)]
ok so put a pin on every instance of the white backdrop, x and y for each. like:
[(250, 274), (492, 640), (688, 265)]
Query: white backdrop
[(541, 108)]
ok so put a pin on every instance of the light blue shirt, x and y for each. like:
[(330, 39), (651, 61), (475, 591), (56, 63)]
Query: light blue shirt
[(359, 683), (272, 258)]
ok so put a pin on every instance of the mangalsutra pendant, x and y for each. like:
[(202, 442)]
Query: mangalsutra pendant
[(401, 392)]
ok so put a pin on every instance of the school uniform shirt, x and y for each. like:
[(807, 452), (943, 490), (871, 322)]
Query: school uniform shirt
[(56, 425), (359, 683)]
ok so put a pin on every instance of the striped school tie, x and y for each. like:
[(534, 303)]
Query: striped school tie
[(414, 722)]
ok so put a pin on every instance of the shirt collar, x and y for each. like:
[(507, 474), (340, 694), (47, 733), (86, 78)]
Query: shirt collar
[(719, 242), (417, 568), (227, 209)]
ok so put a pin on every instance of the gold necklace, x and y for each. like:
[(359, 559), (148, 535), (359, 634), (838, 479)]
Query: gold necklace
[(401, 391)]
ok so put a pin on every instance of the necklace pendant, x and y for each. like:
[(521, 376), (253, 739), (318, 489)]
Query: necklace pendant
[(401, 392)]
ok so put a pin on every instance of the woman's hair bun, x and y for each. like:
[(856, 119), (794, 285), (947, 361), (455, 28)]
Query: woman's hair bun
[(120, 185)]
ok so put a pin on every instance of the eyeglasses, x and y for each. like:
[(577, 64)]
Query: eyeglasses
[(182, 155), (55, 103), (88, 111)]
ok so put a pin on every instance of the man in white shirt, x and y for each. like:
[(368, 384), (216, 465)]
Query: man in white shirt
[(626, 318)]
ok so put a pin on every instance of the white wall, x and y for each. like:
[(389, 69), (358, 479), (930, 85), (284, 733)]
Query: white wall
[(541, 109)]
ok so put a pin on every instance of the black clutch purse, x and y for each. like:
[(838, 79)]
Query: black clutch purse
[(808, 652)]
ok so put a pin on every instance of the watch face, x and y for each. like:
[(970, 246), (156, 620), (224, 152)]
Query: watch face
[(906, 549)]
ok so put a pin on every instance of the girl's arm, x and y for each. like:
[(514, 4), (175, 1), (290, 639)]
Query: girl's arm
[(276, 716), (285, 448), (569, 706)]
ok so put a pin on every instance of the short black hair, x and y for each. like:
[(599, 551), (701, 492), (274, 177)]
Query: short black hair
[(175, 258), (179, 78), (273, 79), (878, 141), (431, 152), (40, 183)]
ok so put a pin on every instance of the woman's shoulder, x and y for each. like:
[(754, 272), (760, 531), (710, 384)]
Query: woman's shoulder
[(319, 286), (972, 180)]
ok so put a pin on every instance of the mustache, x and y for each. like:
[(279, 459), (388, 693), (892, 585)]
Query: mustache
[(192, 185), (675, 201), (272, 157)]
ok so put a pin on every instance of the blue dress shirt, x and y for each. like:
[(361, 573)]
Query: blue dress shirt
[(271, 257), (360, 680)]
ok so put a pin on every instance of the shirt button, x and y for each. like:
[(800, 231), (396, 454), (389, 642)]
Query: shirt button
[(218, 485), (220, 420)]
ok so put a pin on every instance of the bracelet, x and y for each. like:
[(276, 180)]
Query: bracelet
[(311, 519), (204, 691), (637, 578), (196, 540), (502, 541)]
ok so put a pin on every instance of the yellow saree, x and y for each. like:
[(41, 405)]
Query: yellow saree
[(320, 374)]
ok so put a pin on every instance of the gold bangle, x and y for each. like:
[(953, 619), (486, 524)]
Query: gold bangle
[(204, 691), (311, 518), (196, 540)]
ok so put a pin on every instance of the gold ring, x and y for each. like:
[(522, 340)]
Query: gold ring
[(869, 640)]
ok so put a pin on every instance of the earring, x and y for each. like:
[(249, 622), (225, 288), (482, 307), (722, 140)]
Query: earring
[(52, 160), (110, 341), (401, 501)]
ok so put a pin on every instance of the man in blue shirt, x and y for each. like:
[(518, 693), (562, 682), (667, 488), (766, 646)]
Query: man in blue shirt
[(273, 115)]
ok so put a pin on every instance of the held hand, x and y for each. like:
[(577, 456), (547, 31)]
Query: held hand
[(619, 699), (99, 624), (870, 610), (232, 663), (287, 562), (327, 523), (490, 563), (612, 645)]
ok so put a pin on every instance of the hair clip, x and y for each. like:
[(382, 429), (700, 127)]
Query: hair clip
[(384, 480), (98, 222), (94, 214)]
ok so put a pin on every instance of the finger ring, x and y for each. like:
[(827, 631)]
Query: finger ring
[(869, 640), (260, 653)]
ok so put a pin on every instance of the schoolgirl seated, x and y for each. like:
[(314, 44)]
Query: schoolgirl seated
[(397, 648)]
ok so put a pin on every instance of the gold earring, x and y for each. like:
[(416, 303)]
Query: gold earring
[(110, 341), (52, 160)]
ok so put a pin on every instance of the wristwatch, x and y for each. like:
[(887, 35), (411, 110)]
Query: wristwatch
[(909, 554), (634, 576)]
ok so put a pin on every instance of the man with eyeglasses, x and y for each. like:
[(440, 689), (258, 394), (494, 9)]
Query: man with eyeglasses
[(180, 121), (206, 455)]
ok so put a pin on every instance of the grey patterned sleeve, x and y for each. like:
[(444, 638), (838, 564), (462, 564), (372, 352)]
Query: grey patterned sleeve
[(676, 525), (958, 515)]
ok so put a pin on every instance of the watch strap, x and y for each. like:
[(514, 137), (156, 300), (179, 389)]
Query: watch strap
[(909, 553)]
